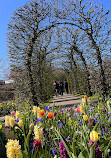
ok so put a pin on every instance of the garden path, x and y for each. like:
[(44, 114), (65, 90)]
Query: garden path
[(65, 100)]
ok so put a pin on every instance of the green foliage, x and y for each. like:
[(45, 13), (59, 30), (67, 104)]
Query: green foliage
[(66, 123)]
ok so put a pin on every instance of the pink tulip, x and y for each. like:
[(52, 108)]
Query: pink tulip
[(12, 112)]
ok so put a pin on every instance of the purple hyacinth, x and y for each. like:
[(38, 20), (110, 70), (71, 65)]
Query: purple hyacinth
[(103, 131), (98, 153), (91, 122), (17, 120), (80, 123), (60, 125), (47, 108), (96, 121), (68, 138), (39, 119), (63, 151), (6, 128), (75, 114), (106, 130), (109, 113), (99, 126), (53, 152)]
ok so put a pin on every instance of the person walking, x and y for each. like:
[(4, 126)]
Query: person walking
[(57, 89), (66, 86), (54, 87), (61, 87)]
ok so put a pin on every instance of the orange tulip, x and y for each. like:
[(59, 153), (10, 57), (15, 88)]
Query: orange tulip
[(42, 112), (50, 115)]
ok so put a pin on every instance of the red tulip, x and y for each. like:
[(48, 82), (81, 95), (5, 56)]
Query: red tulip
[(55, 113), (37, 144), (85, 97), (69, 109)]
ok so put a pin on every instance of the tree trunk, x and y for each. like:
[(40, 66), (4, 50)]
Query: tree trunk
[(102, 74), (89, 93), (76, 75), (29, 71), (31, 81)]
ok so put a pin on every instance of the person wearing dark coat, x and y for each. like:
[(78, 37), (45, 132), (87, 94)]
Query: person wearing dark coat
[(66, 86), (61, 87)]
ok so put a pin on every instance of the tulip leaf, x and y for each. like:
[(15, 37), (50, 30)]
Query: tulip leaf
[(82, 154), (66, 145), (96, 126), (92, 153), (105, 152)]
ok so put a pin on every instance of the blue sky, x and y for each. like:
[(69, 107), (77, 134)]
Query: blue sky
[(7, 7)]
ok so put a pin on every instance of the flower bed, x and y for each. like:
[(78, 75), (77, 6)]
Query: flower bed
[(7, 107), (82, 131)]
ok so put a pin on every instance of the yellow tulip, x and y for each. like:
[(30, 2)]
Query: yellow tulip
[(85, 117), (94, 136), (82, 108), (84, 100)]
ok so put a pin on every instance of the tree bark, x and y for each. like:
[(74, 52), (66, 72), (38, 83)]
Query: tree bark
[(29, 71), (76, 75), (102, 74), (89, 93), (31, 81)]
